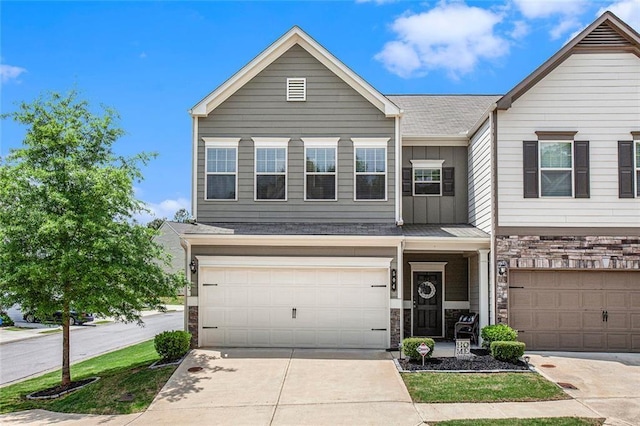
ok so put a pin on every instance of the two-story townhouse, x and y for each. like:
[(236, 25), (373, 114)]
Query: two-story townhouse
[(300, 178), (330, 215), (567, 187)]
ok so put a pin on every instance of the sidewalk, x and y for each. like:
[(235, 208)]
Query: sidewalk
[(8, 336)]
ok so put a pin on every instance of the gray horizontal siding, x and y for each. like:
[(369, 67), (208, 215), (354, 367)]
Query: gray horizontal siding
[(260, 109), (433, 209)]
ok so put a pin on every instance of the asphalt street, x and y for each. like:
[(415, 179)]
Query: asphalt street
[(25, 358)]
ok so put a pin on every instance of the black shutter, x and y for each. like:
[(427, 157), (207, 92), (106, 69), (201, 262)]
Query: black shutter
[(530, 168), (448, 181), (407, 181), (625, 169), (581, 169)]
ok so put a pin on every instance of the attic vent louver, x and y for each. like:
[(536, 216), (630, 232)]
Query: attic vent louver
[(296, 89), (604, 36)]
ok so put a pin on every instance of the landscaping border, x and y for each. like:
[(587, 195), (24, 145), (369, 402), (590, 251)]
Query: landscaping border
[(401, 370), (64, 392)]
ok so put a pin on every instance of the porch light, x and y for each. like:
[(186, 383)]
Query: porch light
[(193, 267), (502, 268)]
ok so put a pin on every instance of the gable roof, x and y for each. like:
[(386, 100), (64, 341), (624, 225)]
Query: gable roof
[(294, 36), (427, 116), (607, 33)]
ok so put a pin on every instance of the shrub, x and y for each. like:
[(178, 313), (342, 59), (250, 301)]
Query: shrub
[(507, 351), (6, 320), (410, 347), (497, 333), (172, 345)]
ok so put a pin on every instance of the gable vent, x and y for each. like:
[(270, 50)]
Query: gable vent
[(296, 89), (604, 36)]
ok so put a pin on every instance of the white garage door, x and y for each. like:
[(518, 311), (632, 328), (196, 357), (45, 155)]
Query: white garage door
[(315, 306)]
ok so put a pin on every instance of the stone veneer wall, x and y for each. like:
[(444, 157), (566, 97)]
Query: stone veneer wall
[(407, 323), (562, 253), (395, 328), (192, 325)]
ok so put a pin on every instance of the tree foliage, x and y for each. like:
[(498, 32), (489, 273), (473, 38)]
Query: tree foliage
[(156, 223), (182, 216), (68, 238)]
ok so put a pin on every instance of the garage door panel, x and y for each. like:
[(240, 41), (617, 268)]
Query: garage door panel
[(231, 276), (570, 341), (546, 340), (545, 320), (618, 342), (545, 299), (618, 321), (635, 342), (569, 320), (521, 320), (592, 299), (592, 320), (569, 299), (520, 299)]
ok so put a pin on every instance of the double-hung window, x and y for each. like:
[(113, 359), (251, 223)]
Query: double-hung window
[(221, 166), (271, 168), (556, 168), (370, 168), (320, 175), (637, 157), (427, 177)]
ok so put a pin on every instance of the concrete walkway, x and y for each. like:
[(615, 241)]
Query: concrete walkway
[(315, 387)]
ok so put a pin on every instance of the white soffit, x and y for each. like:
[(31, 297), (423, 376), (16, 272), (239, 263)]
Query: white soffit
[(292, 37)]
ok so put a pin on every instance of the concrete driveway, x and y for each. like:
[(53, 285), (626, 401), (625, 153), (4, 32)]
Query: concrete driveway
[(284, 387), (609, 384)]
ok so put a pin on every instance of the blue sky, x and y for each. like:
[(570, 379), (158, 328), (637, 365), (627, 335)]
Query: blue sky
[(152, 61)]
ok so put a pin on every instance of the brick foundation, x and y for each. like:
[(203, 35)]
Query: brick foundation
[(192, 325), (395, 327)]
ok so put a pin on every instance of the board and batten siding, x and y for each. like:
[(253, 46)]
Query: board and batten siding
[(597, 95), (438, 209), (479, 177), (332, 109)]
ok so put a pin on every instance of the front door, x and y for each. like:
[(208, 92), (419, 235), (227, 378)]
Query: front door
[(427, 304)]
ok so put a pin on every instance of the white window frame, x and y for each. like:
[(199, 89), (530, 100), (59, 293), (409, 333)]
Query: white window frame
[(259, 143), (304, 89), (320, 143), (560, 169), (636, 180), (425, 164), (371, 143), (224, 143)]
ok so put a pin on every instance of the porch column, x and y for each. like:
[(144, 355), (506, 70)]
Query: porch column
[(483, 290)]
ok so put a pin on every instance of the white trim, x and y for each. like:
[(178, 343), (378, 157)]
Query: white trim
[(194, 169), (370, 142), (556, 169), (398, 170), (483, 288), (297, 80), (326, 143), (425, 165), (400, 284), (292, 240), (320, 142), (192, 301), (396, 304), (636, 179), (428, 267), (284, 43), (221, 142), (271, 142), (293, 262), (456, 305), (440, 244), (212, 143)]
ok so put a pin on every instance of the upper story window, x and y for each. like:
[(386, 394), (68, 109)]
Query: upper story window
[(556, 169), (271, 168), (320, 175), (637, 143), (370, 168), (427, 177), (221, 165), (296, 89)]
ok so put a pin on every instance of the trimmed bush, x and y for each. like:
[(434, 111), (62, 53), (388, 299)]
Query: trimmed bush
[(410, 347), (6, 320), (507, 351), (497, 333), (172, 345)]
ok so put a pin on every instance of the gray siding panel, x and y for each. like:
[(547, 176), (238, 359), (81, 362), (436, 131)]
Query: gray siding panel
[(332, 109), (434, 209)]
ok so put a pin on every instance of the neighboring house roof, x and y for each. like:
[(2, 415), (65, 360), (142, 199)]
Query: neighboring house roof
[(605, 34), (196, 228), (294, 36), (441, 115)]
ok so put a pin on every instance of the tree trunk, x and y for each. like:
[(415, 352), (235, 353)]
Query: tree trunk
[(66, 369)]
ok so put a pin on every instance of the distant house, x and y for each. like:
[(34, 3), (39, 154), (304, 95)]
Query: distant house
[(333, 216)]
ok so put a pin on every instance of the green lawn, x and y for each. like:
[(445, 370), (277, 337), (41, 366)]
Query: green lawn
[(120, 372), (554, 421), (472, 387), (175, 300)]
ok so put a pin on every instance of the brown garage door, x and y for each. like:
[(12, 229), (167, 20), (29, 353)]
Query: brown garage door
[(576, 310)]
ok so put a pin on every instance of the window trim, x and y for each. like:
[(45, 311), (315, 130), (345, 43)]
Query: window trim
[(269, 142), (563, 169), (322, 143), (224, 143), (425, 164), (371, 143), (636, 169)]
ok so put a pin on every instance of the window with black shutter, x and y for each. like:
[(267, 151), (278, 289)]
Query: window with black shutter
[(626, 168)]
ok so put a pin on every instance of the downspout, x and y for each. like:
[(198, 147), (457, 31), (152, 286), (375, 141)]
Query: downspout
[(398, 194), (194, 169), (187, 288), (494, 213)]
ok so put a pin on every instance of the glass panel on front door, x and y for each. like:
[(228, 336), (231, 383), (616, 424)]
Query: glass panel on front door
[(427, 304)]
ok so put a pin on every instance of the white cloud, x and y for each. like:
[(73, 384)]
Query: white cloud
[(534, 9), (520, 30), (10, 72), (453, 37), (143, 55), (163, 209), (627, 10), (565, 26)]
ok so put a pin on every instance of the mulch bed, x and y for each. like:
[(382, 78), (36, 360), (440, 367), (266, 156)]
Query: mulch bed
[(58, 391), (479, 361)]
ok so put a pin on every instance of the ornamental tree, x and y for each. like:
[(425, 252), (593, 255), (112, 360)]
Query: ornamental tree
[(68, 237)]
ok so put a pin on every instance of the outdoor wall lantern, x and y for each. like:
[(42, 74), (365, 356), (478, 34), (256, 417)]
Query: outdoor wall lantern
[(502, 268), (193, 267), (394, 280)]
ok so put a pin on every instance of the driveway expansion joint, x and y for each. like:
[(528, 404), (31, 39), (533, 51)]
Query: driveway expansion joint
[(284, 379)]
